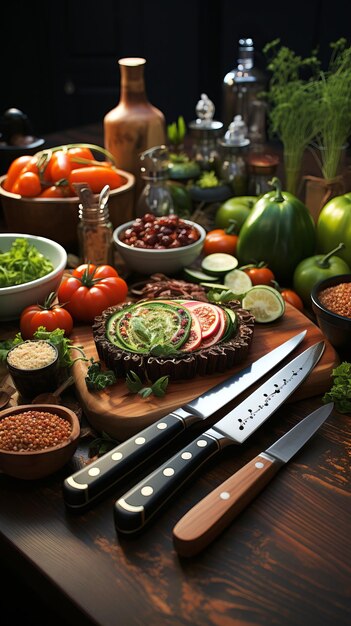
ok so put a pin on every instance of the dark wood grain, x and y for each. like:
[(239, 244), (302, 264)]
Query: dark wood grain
[(285, 560)]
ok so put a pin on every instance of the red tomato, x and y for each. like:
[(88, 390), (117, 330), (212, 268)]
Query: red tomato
[(293, 298), (28, 185), (60, 166), (219, 240), (90, 290), (80, 153), (96, 176), (52, 316), (14, 171), (56, 191), (260, 275)]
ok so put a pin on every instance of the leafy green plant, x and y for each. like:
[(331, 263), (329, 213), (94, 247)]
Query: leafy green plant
[(176, 132), (333, 117), (340, 392), (293, 104)]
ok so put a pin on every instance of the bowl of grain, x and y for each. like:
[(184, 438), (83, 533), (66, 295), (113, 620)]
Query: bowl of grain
[(331, 304), (36, 440), (34, 367)]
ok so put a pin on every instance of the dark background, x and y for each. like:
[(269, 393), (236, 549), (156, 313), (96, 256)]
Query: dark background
[(59, 60)]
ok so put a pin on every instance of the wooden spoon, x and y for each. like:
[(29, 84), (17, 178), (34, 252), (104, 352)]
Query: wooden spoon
[(6, 393), (54, 396)]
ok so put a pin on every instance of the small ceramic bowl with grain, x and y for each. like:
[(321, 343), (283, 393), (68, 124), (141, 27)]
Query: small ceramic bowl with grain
[(34, 367), (37, 440), (331, 304)]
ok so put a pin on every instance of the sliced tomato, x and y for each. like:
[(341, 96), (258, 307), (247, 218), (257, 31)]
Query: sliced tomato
[(208, 315), (211, 341), (195, 337)]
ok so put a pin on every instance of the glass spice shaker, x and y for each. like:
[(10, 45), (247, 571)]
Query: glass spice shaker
[(234, 146), (262, 167), (156, 197), (204, 132), (94, 228)]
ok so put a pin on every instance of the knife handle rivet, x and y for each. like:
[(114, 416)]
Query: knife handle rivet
[(116, 456), (224, 495), (94, 471), (259, 465), (147, 491), (186, 456), (139, 441), (162, 425), (202, 443), (168, 471)]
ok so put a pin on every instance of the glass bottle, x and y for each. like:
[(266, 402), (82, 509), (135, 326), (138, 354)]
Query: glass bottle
[(234, 146), (94, 230), (242, 85), (261, 167), (204, 133), (134, 125), (156, 197)]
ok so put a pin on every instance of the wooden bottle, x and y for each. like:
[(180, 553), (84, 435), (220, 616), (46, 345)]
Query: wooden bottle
[(134, 125)]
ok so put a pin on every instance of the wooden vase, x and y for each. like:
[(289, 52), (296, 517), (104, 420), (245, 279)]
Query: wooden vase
[(134, 125), (318, 191)]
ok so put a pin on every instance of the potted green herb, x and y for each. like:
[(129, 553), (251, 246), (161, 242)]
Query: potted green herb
[(293, 105), (182, 167)]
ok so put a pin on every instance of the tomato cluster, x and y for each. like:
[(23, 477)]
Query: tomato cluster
[(53, 173)]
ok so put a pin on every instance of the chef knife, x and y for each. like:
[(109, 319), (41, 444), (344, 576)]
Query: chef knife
[(133, 510), (87, 484), (209, 517)]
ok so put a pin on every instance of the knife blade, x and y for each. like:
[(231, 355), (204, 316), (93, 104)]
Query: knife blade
[(87, 484), (211, 515), (134, 509)]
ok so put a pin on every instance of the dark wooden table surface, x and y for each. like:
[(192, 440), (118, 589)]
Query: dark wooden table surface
[(285, 560)]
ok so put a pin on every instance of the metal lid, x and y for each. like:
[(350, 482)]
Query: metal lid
[(236, 135), (204, 122)]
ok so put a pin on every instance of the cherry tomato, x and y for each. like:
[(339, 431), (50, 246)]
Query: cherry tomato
[(56, 191), (80, 153), (27, 185), (14, 171), (220, 240), (293, 298), (50, 315), (60, 166), (96, 176), (90, 290), (260, 275)]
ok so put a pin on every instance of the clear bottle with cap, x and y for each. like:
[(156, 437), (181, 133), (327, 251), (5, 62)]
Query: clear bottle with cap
[(205, 131), (156, 197), (94, 229), (242, 87), (234, 148)]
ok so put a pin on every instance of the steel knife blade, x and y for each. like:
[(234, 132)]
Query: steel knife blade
[(87, 484), (133, 510), (211, 515)]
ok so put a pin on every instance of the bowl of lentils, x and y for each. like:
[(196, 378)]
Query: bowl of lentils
[(36, 440), (151, 244), (331, 304)]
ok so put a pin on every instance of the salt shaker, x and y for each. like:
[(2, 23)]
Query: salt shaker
[(204, 133), (234, 146), (94, 227)]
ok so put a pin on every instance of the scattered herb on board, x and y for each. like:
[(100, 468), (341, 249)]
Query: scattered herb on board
[(135, 385), (22, 263), (97, 378), (56, 337), (225, 295), (340, 392)]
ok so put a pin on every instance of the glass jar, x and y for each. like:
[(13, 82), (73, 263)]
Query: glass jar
[(156, 197), (95, 235), (261, 167), (234, 147), (204, 132)]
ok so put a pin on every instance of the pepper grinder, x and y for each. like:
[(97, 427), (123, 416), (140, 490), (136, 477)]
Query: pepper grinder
[(204, 131), (156, 197), (234, 146)]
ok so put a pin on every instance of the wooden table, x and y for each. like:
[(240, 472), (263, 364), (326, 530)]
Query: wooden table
[(284, 561)]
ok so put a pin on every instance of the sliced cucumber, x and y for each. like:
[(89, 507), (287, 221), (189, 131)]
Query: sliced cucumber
[(231, 323), (219, 263), (219, 286), (197, 276), (238, 282), (265, 303)]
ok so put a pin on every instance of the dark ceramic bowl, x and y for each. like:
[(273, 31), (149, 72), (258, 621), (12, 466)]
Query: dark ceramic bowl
[(32, 382), (336, 328)]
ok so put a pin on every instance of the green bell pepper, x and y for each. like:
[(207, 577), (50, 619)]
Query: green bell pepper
[(279, 231), (334, 225), (315, 268)]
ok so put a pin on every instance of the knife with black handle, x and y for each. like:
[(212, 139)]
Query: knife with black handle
[(84, 486), (209, 517), (134, 509)]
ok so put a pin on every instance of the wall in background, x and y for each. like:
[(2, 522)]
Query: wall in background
[(60, 60)]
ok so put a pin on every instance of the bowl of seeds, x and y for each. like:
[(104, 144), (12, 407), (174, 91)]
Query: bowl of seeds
[(331, 304)]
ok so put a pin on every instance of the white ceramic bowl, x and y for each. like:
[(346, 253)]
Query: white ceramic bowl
[(148, 261), (14, 299)]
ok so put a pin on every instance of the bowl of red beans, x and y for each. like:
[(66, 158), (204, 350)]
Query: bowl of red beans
[(151, 244), (37, 440), (331, 304)]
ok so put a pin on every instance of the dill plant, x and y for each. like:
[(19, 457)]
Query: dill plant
[(293, 105)]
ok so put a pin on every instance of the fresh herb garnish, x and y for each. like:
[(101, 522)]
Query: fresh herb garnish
[(340, 392), (135, 385), (225, 295), (97, 378), (22, 263)]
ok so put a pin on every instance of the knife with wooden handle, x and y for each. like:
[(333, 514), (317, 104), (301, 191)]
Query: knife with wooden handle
[(86, 485), (134, 509), (209, 517)]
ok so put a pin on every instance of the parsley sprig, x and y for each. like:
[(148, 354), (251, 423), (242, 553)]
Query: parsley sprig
[(97, 378), (340, 392), (135, 385)]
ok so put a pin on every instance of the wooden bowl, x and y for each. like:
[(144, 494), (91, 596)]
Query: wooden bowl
[(57, 218), (31, 465)]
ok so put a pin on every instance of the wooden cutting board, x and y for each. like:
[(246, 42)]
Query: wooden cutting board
[(122, 414)]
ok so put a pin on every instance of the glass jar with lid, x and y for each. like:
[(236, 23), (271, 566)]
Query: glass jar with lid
[(95, 228), (261, 167), (234, 147), (204, 132), (156, 197)]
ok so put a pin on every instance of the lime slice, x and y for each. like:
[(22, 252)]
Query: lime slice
[(238, 281), (219, 263), (265, 303)]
